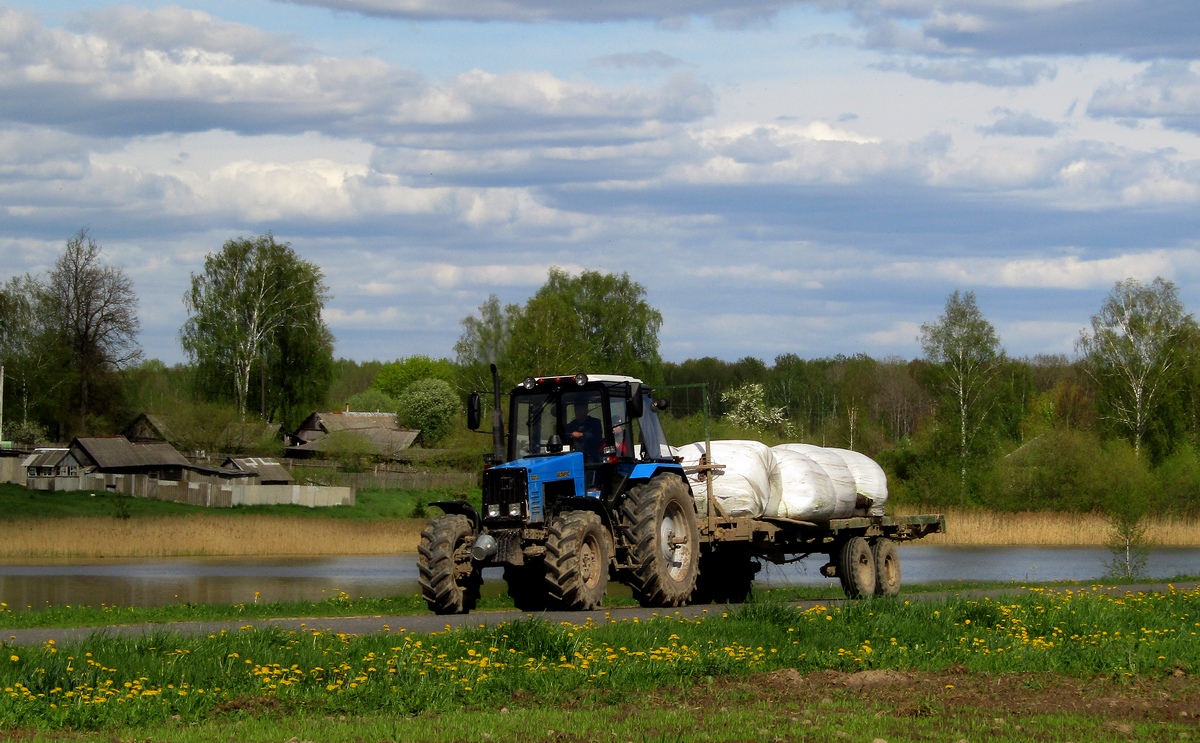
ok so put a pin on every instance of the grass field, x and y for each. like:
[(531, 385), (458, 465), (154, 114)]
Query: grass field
[(1043, 664)]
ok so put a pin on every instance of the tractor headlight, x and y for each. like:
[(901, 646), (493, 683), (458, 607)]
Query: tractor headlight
[(493, 510), (580, 379), (514, 509), (529, 383)]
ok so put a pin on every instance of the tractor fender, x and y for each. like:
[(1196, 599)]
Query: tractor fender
[(643, 473), (460, 507)]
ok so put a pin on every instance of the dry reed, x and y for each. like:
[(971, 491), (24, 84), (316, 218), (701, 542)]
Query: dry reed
[(1043, 528), (171, 536)]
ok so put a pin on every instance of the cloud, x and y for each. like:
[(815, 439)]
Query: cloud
[(1166, 91), (1018, 74), (725, 13), (1066, 272), (1132, 29), (1019, 124), (191, 73), (638, 60)]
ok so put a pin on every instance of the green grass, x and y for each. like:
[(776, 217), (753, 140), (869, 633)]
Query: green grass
[(17, 503), (151, 680)]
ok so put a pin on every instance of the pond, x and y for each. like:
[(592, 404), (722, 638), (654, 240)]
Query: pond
[(214, 580)]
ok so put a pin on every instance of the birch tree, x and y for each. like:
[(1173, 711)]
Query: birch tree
[(92, 309), (965, 355), (1135, 351), (249, 293)]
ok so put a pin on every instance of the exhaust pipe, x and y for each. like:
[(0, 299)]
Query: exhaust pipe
[(485, 547)]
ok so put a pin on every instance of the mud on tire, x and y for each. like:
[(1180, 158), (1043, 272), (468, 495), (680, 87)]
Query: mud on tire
[(659, 523), (856, 568), (577, 558), (449, 582)]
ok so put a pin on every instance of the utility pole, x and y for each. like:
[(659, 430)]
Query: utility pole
[(1, 402)]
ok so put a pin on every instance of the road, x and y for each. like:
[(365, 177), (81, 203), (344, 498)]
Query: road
[(426, 623)]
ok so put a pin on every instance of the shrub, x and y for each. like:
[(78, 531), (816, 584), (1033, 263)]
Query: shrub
[(431, 406)]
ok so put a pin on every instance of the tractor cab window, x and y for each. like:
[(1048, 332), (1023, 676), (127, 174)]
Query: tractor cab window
[(583, 423), (622, 427), (653, 441), (535, 419)]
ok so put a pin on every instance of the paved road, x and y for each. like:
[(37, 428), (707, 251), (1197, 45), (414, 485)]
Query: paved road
[(424, 623)]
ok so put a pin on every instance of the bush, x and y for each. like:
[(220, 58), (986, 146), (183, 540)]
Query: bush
[(1179, 482), (431, 406), (372, 401)]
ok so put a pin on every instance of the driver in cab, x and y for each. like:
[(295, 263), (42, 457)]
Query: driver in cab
[(585, 433)]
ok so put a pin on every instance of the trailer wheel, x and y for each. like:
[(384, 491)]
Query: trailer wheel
[(449, 581), (726, 575), (887, 567), (527, 586), (856, 568), (577, 558), (659, 518)]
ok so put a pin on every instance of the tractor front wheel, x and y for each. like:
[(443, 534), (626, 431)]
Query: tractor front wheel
[(449, 581), (577, 557)]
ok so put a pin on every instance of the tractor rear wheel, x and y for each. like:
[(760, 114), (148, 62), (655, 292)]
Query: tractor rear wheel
[(659, 521), (577, 557), (856, 568), (449, 582), (887, 567)]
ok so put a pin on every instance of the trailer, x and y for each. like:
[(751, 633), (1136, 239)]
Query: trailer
[(582, 487)]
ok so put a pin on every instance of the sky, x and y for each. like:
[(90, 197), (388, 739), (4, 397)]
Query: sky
[(782, 176)]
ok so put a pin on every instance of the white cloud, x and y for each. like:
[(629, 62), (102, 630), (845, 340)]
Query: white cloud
[(1065, 272)]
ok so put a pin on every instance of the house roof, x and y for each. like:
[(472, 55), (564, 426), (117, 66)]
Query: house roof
[(148, 427), (268, 470), (386, 442), (116, 452), (45, 457), (335, 421)]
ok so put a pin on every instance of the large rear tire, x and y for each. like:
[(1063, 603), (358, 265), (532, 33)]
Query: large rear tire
[(449, 581), (856, 568), (659, 519), (726, 574), (527, 586), (887, 567), (577, 558)]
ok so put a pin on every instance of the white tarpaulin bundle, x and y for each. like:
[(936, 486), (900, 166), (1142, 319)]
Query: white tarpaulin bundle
[(743, 487), (806, 492), (791, 481)]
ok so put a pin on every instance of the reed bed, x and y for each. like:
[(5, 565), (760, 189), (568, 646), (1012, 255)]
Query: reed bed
[(1053, 529), (179, 536), (236, 536)]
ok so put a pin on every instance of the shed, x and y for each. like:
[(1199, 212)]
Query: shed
[(51, 463), (328, 432)]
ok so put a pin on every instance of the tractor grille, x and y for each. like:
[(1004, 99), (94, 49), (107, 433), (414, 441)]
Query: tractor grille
[(502, 487)]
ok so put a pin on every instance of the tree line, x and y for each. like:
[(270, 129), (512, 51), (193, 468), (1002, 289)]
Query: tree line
[(965, 423)]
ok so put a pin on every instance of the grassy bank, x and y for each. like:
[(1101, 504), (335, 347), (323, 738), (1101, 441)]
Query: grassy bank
[(417, 681)]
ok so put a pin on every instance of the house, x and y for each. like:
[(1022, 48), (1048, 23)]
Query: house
[(117, 455), (268, 471), (50, 463), (231, 437), (373, 433)]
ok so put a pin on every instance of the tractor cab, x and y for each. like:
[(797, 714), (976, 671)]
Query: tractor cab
[(582, 436)]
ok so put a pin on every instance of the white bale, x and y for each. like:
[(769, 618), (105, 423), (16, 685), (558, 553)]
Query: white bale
[(806, 492), (869, 478), (845, 490), (746, 483)]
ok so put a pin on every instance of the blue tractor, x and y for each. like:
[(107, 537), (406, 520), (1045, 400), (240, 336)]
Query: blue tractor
[(583, 487)]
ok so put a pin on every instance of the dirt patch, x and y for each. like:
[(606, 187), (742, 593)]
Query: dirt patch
[(1174, 698)]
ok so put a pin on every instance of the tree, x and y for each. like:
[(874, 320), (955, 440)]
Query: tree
[(92, 309), (747, 407), (595, 322), (1135, 352), (396, 376), (964, 354), (258, 303), (431, 406)]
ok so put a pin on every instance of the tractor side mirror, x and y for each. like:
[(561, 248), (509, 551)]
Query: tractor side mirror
[(474, 411), (633, 401)]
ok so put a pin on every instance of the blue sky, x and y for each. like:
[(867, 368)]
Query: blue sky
[(804, 177)]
